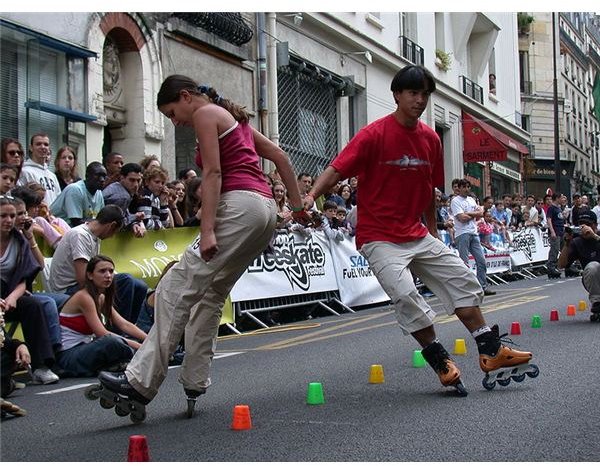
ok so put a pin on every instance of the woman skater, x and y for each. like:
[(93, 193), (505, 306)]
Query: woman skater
[(238, 217)]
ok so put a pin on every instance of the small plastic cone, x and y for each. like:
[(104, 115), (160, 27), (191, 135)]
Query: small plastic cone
[(418, 359), (582, 305), (241, 418), (376, 374), (571, 310), (460, 347), (536, 322), (515, 328), (138, 449), (314, 395), (553, 315)]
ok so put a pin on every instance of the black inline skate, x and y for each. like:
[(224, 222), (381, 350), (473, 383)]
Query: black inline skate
[(446, 369), (595, 309), (114, 391), (192, 397)]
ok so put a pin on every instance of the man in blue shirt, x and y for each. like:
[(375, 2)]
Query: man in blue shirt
[(556, 230)]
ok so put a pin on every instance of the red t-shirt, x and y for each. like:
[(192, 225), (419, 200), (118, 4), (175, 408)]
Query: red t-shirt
[(397, 168)]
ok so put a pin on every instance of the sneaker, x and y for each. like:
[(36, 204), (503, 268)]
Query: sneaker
[(43, 376)]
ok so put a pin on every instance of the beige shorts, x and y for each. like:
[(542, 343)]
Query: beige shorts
[(442, 271)]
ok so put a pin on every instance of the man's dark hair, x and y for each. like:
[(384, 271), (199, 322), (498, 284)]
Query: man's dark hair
[(182, 173), (131, 167), (413, 77), (303, 174), (329, 205), (30, 197), (92, 168), (576, 196), (455, 181), (486, 198), (463, 182), (109, 156), (556, 196), (110, 213)]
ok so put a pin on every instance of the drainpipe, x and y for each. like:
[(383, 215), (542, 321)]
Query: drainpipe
[(262, 71), (272, 78)]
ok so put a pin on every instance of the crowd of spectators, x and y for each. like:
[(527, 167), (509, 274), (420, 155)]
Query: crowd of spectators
[(90, 318)]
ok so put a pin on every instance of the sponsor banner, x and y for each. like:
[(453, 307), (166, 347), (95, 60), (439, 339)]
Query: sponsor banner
[(498, 261), (146, 257), (296, 264), (356, 282), (530, 245)]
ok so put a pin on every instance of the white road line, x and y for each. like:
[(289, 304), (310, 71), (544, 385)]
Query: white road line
[(83, 385)]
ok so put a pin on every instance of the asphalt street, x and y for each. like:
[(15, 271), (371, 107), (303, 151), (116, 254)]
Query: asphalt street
[(409, 417)]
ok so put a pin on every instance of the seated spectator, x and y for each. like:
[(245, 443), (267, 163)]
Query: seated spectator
[(8, 178), (43, 218), (176, 199), (152, 200), (193, 202), (329, 213), (18, 268), (123, 192), (485, 228), (86, 320), (78, 246), (11, 152), (150, 161), (113, 162), (284, 214), (14, 356), (81, 201), (186, 174), (65, 167)]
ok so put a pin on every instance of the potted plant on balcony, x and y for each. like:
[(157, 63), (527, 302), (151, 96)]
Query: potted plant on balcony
[(442, 59), (524, 21)]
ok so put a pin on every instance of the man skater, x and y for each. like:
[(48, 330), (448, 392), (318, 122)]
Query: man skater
[(399, 162)]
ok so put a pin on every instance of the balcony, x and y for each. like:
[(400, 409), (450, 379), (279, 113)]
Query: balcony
[(411, 51), (471, 89)]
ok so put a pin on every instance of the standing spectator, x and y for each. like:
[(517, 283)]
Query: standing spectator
[(345, 192), (507, 200), (123, 192), (353, 181), (585, 201), (78, 246), (176, 201), (304, 183), (186, 174), (466, 212), (88, 346), (18, 268), (150, 161), (566, 210), (284, 214), (153, 199), (556, 230), (395, 195), (547, 203), (541, 213), (516, 219), (578, 208), (113, 161), (65, 167), (11, 152), (596, 209), (82, 200), (8, 177), (329, 222), (485, 228), (36, 168), (333, 195)]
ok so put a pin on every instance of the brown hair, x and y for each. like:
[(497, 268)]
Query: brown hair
[(170, 91), (57, 159), (3, 149), (109, 293), (155, 172)]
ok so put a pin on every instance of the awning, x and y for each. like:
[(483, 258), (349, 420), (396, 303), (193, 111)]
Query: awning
[(64, 112), (484, 143)]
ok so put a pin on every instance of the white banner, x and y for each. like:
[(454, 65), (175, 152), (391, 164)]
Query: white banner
[(297, 265), (530, 245), (498, 261), (357, 284)]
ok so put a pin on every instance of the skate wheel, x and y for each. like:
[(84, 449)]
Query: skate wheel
[(461, 390), (487, 384), (106, 404), (121, 411), (137, 417), (535, 371), (191, 404), (504, 383), (595, 317), (92, 392), (518, 378)]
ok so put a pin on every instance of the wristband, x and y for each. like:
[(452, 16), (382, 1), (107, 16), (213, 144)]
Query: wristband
[(297, 209)]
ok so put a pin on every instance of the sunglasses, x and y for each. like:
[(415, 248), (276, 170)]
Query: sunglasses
[(14, 152)]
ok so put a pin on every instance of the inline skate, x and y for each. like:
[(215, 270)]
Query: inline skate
[(595, 309), (500, 363), (446, 369), (114, 391)]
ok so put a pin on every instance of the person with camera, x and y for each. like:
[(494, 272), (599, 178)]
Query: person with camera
[(583, 243)]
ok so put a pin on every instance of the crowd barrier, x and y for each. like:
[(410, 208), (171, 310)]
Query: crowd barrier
[(300, 266)]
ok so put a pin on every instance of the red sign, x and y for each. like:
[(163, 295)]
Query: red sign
[(479, 144)]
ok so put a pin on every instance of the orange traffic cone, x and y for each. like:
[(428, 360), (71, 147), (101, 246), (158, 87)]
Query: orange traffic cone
[(241, 418)]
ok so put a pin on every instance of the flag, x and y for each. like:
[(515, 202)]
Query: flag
[(596, 96)]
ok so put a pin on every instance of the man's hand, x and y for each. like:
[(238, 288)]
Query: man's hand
[(587, 232), (139, 230), (22, 356), (302, 217)]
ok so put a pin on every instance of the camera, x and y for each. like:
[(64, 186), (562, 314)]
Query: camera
[(575, 231), (27, 224)]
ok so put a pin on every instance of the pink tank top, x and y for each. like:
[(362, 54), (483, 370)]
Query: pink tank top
[(240, 168)]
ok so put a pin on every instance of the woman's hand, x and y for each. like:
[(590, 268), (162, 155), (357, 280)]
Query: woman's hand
[(208, 245)]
